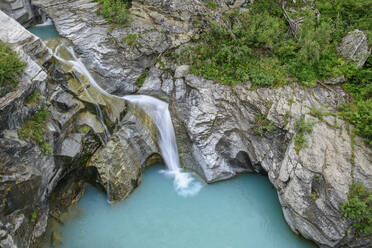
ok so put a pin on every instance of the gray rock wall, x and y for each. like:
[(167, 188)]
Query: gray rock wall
[(20, 10)]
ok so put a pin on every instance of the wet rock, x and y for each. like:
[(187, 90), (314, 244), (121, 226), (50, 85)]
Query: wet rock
[(71, 146), (121, 162)]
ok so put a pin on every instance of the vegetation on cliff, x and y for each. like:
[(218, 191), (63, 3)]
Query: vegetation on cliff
[(115, 11), (359, 208), (33, 130), (10, 67), (259, 45)]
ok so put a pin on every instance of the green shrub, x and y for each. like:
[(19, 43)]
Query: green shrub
[(358, 208), (347, 15), (131, 40), (263, 125), (303, 127), (359, 113), (142, 78), (10, 67), (115, 11), (237, 52), (254, 45), (34, 128), (33, 99), (212, 5), (359, 110)]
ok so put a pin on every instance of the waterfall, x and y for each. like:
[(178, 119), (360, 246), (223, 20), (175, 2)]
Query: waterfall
[(159, 114), (158, 111), (44, 18)]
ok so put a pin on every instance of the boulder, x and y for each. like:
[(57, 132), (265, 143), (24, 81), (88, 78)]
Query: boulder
[(121, 162), (354, 46)]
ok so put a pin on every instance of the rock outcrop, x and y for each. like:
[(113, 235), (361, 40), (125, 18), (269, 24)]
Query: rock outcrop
[(121, 162), (20, 10), (355, 46), (29, 173)]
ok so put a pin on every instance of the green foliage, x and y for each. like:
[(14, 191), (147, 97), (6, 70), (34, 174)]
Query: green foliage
[(314, 196), (237, 51), (359, 110), (212, 5), (263, 125), (142, 78), (115, 11), (84, 129), (34, 128), (359, 113), (33, 216), (254, 45), (347, 15), (303, 128), (131, 40), (359, 208), (10, 67), (33, 99)]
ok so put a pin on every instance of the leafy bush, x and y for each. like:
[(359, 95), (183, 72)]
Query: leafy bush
[(359, 208), (34, 128), (10, 67), (115, 11)]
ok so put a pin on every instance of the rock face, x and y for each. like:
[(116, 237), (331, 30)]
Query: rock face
[(20, 10), (355, 46), (121, 162), (117, 64), (28, 175)]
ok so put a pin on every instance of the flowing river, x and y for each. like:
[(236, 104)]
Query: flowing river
[(173, 208)]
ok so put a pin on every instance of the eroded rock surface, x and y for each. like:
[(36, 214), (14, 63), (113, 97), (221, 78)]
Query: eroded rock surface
[(121, 162), (20, 10)]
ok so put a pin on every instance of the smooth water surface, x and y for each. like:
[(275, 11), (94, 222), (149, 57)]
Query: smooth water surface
[(44, 31), (239, 213)]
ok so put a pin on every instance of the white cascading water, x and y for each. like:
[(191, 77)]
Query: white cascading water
[(45, 19), (158, 111)]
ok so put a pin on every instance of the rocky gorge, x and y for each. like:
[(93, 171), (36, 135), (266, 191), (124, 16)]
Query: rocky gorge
[(221, 130)]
